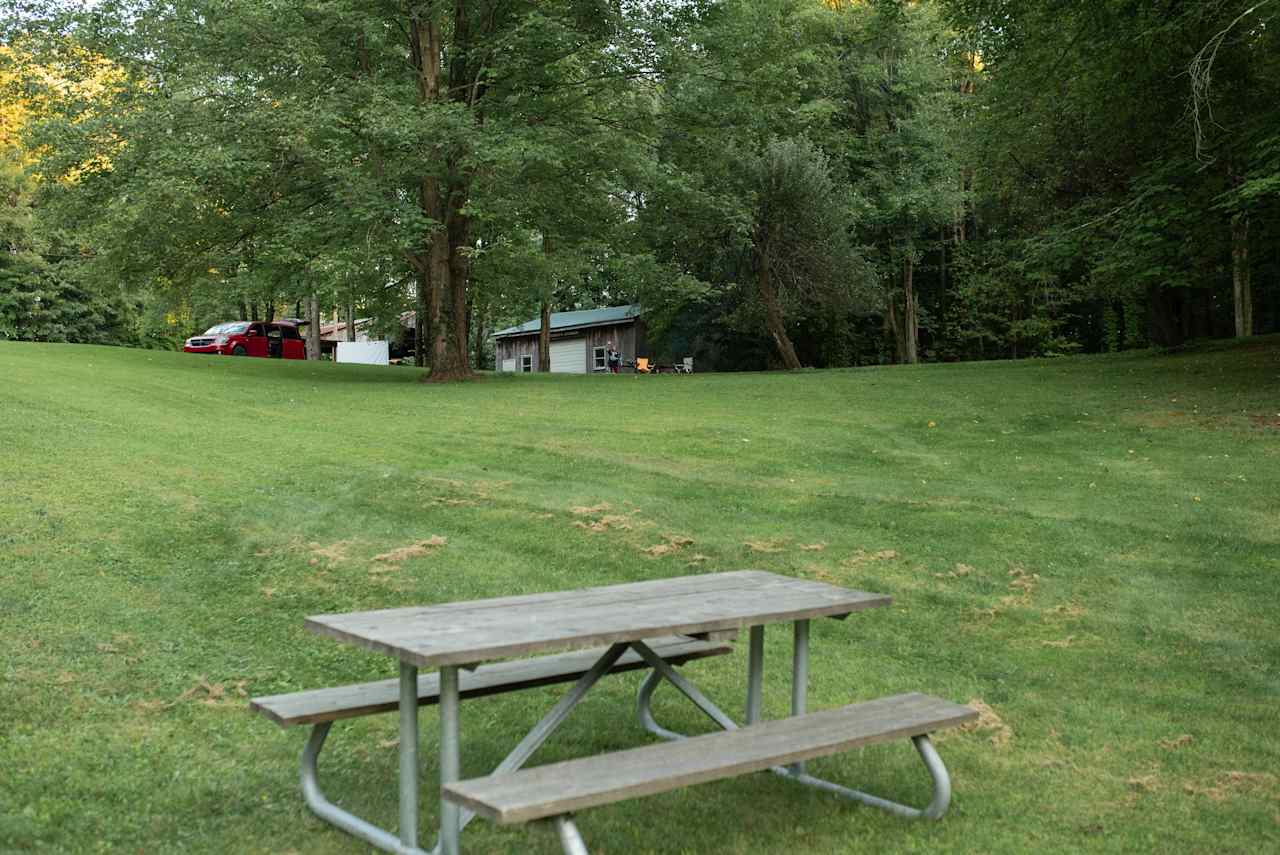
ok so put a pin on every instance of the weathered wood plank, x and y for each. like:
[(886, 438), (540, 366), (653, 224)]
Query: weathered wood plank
[(317, 705), (560, 788), (480, 630)]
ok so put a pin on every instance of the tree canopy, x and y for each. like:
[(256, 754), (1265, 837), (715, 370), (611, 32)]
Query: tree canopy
[(780, 183)]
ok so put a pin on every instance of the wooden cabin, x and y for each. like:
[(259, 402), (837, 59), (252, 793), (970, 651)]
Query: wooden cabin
[(578, 341)]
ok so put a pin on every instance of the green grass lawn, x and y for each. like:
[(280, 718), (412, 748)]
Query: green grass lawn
[(1088, 548)]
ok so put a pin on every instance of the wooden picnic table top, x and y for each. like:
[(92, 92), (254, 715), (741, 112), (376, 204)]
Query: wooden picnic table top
[(481, 630)]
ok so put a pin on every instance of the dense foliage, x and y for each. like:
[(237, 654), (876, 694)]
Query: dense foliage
[(779, 182)]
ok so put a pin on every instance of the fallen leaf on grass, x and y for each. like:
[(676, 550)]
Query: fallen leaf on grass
[(388, 743), (1066, 642), (1175, 743), (413, 550), (813, 547)]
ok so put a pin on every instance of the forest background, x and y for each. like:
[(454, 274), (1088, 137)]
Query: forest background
[(780, 183)]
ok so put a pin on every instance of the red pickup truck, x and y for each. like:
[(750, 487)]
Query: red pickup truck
[(275, 339)]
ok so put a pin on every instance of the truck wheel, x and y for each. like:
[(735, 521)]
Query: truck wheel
[(239, 350)]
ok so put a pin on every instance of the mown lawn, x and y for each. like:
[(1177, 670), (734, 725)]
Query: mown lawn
[(1089, 548)]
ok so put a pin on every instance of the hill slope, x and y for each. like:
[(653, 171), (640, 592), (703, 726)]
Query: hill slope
[(1087, 547)]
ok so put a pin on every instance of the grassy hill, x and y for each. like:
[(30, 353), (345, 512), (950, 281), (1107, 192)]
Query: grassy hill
[(1088, 549)]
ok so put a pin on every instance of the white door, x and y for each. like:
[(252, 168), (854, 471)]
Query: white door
[(508, 365), (569, 357)]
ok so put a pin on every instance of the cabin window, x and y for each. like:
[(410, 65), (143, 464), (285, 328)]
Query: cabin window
[(598, 362), (526, 364)]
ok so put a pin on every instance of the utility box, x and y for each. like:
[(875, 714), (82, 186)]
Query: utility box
[(363, 352)]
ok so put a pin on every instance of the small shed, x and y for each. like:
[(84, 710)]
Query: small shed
[(578, 340)]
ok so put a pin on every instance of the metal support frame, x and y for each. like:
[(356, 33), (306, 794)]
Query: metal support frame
[(799, 671), (570, 840), (799, 678), (452, 818)]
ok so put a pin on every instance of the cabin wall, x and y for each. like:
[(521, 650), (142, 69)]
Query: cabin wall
[(628, 337)]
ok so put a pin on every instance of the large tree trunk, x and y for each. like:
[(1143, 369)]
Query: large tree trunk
[(351, 321), (313, 327), (1242, 282), (773, 314), (910, 327), (442, 199)]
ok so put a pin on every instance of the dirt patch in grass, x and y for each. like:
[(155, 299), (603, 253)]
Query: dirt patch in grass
[(1233, 783), (764, 545), (863, 557), (990, 723), (584, 511), (1066, 611), (672, 543), (959, 572), (1176, 742), (216, 694), (813, 547), (413, 550), (605, 523), (334, 553)]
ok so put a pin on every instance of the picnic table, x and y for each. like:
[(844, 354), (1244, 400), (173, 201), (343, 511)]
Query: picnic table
[(655, 625)]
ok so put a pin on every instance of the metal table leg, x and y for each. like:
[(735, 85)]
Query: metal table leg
[(408, 754), (449, 761), (799, 677)]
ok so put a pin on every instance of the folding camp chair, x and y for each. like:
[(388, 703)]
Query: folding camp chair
[(642, 365)]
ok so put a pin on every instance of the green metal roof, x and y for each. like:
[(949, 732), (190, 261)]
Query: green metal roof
[(575, 320)]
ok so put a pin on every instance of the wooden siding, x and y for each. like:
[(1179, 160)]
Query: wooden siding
[(628, 337)]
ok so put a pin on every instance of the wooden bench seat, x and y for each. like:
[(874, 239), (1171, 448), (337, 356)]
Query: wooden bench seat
[(326, 705), (562, 788)]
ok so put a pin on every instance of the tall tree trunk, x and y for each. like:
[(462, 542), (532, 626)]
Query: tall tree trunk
[(894, 324), (773, 313), (1241, 280), (351, 321), (910, 327), (544, 336), (459, 238), (313, 327), (244, 311), (544, 315)]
